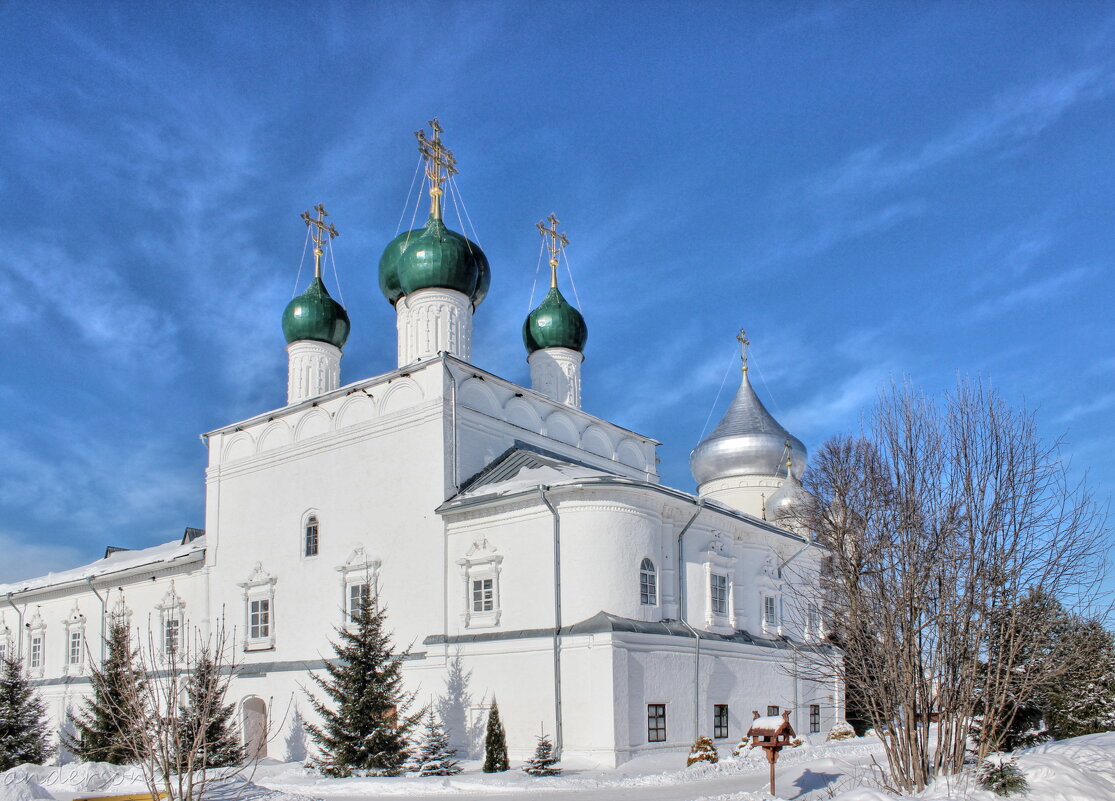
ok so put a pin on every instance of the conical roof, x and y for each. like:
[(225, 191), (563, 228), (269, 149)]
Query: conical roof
[(747, 441)]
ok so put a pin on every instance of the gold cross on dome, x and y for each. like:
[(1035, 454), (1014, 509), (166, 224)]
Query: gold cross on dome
[(741, 337), (557, 241), (319, 231), (438, 159)]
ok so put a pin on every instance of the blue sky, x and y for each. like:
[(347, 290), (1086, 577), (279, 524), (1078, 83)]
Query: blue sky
[(872, 190)]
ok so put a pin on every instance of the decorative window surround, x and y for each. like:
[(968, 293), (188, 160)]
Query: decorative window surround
[(359, 576), (480, 565), (36, 645), (7, 648), (171, 622), (259, 610), (770, 592), (74, 663), (718, 561)]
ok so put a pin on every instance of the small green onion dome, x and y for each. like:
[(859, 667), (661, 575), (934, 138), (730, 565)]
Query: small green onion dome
[(315, 315), (555, 324), (433, 256)]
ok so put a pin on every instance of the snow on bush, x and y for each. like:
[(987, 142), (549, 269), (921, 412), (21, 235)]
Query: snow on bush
[(841, 731), (702, 751), (1002, 777)]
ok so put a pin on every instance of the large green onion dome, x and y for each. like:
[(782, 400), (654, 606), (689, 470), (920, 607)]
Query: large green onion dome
[(315, 315), (433, 256), (555, 324)]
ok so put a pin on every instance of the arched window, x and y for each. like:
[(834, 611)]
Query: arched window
[(648, 583), (310, 538)]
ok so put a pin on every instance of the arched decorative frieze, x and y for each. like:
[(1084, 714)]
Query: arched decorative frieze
[(357, 409), (475, 394), (595, 440), (560, 427), (400, 394), (629, 453), (276, 435), (240, 446), (521, 413), (314, 423)]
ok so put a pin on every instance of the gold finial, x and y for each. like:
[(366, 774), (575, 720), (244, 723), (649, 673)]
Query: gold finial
[(438, 159), (741, 337), (556, 243), (318, 231)]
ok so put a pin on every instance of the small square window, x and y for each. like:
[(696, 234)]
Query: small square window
[(259, 622), (77, 640), (720, 721), (772, 711), (656, 723), (814, 718), (483, 595), (719, 587)]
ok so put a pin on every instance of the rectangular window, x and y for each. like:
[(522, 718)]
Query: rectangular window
[(772, 711), (483, 595), (311, 537), (648, 591), (3, 651), (656, 723), (357, 595), (770, 611), (720, 721), (172, 632), (36, 655), (74, 653), (719, 594), (259, 622), (814, 718)]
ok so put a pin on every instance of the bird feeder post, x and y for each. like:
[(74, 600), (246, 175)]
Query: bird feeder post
[(771, 734)]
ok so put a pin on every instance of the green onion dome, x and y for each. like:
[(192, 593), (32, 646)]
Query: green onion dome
[(555, 324), (315, 315), (433, 256)]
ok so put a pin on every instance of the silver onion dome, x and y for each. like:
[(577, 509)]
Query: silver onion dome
[(747, 441)]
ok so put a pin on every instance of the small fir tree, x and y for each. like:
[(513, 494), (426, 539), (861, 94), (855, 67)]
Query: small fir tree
[(495, 743), (1002, 777), (367, 733), (104, 724), (23, 726), (433, 756), (543, 763), (702, 751), (205, 720)]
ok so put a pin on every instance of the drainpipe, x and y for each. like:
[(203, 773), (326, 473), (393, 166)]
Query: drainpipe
[(681, 618), (445, 539), (104, 634), (19, 629), (558, 739), (452, 413)]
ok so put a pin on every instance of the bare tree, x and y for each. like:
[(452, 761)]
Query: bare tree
[(941, 518)]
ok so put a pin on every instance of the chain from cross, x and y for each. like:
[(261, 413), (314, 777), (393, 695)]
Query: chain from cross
[(440, 163), (741, 337), (318, 227)]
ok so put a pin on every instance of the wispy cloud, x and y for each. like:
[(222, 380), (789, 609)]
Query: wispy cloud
[(1042, 290), (1100, 404)]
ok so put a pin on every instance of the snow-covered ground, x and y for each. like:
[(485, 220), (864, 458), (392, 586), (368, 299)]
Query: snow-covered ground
[(1082, 769)]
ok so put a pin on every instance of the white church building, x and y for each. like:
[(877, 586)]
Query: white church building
[(506, 530)]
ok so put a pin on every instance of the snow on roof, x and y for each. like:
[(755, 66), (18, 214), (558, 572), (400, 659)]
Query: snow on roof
[(521, 470), (113, 563), (770, 722)]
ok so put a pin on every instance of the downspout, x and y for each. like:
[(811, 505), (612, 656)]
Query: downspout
[(452, 413), (681, 618), (104, 634), (444, 538), (19, 629), (558, 739)]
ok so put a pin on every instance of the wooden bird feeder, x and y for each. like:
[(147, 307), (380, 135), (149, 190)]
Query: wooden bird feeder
[(771, 733)]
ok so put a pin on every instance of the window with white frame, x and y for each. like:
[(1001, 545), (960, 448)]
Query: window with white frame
[(172, 635), (770, 613), (720, 614), (310, 536), (813, 627), (76, 648), (259, 610), (359, 582), (648, 584), (480, 569), (36, 645), (3, 649), (171, 609)]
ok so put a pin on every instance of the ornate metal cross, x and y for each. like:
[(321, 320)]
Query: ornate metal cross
[(319, 231), (556, 242), (741, 337), (440, 163)]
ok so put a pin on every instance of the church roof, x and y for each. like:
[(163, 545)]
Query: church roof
[(115, 562), (519, 469)]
